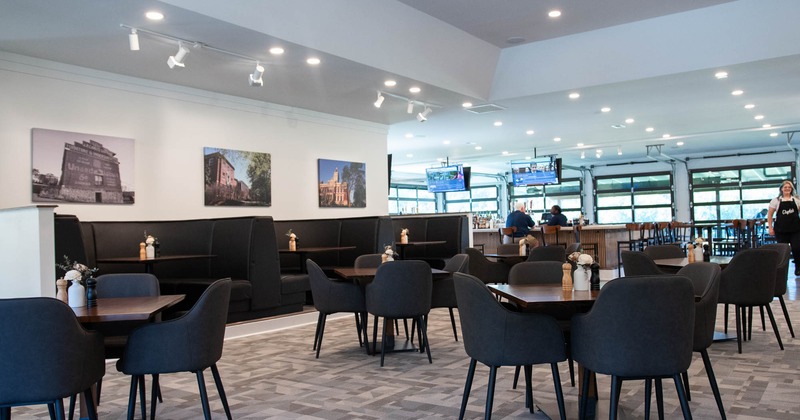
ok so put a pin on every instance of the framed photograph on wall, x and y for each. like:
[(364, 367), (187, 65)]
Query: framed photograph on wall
[(342, 183), (237, 177), (81, 168)]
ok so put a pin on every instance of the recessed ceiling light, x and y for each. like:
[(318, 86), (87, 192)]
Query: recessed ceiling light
[(478, 148), (556, 139), (737, 92), (579, 144), (680, 143), (605, 109), (618, 125), (773, 134), (410, 155), (313, 61), (529, 132), (154, 15), (721, 75), (759, 117), (527, 158), (446, 142), (666, 136), (629, 120), (619, 150), (505, 152), (276, 51), (414, 89), (766, 126), (574, 95), (515, 40), (554, 13), (498, 123), (749, 106), (583, 155), (409, 135), (466, 105), (390, 83), (649, 129)]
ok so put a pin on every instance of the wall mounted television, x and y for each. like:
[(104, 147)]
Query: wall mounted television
[(446, 178), (540, 171)]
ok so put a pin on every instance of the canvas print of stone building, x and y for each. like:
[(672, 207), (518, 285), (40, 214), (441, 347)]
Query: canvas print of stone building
[(237, 177), (342, 184), (81, 168)]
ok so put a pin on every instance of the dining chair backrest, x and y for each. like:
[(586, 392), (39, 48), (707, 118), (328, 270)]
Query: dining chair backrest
[(782, 272), (705, 278), (639, 326), (127, 285), (401, 289), (482, 268), (333, 296), (573, 247), (536, 272), (548, 253), (748, 280), (660, 252), (46, 354), (637, 263), (457, 263), (368, 261), (507, 234)]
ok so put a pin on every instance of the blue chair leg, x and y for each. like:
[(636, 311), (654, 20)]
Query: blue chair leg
[(467, 388), (201, 384), (616, 387), (132, 397), (220, 390), (713, 381), (648, 392), (562, 412), (528, 387), (321, 329), (660, 399), (687, 413), (490, 392), (142, 391), (584, 394)]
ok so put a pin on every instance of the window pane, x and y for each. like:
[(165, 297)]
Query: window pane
[(393, 207), (728, 176), (764, 194), (729, 195), (427, 207), (704, 196), (775, 174), (484, 206), (484, 192), (614, 184), (614, 216), (648, 199), (424, 193), (564, 202), (406, 193), (651, 181), (614, 200), (393, 192), (753, 211), (729, 212), (573, 187), (462, 207), (658, 214), (705, 213), (457, 195), (407, 207)]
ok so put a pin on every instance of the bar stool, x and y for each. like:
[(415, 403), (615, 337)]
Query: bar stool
[(551, 230), (634, 242), (507, 231), (588, 247)]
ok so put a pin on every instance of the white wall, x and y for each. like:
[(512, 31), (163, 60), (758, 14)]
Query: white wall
[(171, 125)]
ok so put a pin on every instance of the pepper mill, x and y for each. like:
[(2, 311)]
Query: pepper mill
[(566, 278), (142, 251), (594, 282), (61, 286), (690, 253), (706, 253)]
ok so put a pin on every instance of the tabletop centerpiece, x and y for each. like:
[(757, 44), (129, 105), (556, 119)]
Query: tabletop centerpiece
[(404, 236), (150, 242), (79, 275), (580, 278), (292, 240), (388, 254)]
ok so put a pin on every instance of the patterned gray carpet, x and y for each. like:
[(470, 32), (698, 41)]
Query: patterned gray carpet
[(275, 376)]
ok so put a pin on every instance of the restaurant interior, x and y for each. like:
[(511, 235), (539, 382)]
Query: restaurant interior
[(336, 136)]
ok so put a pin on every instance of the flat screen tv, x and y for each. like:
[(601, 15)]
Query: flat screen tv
[(446, 178), (541, 171)]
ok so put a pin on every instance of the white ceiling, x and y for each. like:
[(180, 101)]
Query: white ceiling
[(650, 60)]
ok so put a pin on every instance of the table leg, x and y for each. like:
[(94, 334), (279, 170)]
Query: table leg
[(84, 409)]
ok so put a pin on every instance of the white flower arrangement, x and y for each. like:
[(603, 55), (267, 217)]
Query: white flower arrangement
[(584, 260), (404, 231), (149, 239), (75, 271), (291, 235), (699, 241), (388, 251)]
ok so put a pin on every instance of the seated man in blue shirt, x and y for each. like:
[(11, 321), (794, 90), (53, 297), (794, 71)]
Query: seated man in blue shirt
[(557, 218), (519, 219)]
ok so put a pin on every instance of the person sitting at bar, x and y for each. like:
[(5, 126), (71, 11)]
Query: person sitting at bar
[(557, 218), (521, 220)]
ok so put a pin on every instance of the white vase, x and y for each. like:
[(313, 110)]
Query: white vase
[(150, 252), (77, 295), (580, 279), (698, 254)]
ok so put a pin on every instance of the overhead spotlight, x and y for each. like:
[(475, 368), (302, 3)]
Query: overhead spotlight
[(255, 78), (423, 116), (379, 101), (410, 107), (583, 155), (133, 40), (177, 59), (619, 150)]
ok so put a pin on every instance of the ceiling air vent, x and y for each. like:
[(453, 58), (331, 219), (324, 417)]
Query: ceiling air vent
[(484, 109)]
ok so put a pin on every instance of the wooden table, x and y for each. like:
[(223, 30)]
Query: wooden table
[(149, 263), (401, 247), (302, 253), (672, 265), (126, 309)]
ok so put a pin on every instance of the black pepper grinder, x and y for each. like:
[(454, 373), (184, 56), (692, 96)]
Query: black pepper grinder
[(594, 281), (157, 246), (706, 253)]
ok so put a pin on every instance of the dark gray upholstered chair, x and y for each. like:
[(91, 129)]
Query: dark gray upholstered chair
[(785, 252), (46, 355), (487, 271), (443, 293), (705, 278), (368, 261), (496, 336), (332, 296), (638, 328), (748, 281), (637, 263), (660, 252), (190, 343), (548, 253), (401, 289), (573, 247), (540, 272)]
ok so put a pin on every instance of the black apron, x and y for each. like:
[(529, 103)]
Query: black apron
[(786, 218)]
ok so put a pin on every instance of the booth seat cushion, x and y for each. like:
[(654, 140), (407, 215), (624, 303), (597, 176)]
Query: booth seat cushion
[(241, 290), (294, 283)]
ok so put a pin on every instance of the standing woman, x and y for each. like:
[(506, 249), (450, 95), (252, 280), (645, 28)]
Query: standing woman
[(784, 211)]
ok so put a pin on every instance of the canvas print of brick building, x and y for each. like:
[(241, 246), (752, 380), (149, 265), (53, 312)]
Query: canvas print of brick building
[(81, 168), (342, 184), (237, 178)]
